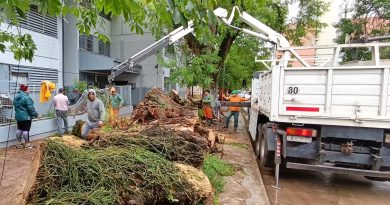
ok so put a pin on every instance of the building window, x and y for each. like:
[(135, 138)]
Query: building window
[(86, 42), (104, 48)]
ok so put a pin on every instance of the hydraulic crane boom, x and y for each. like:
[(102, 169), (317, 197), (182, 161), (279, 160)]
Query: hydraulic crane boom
[(261, 30), (129, 64)]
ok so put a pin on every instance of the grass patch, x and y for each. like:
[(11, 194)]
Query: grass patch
[(239, 145), (215, 169)]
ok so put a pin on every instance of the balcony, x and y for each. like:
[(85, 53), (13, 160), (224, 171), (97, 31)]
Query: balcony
[(89, 61)]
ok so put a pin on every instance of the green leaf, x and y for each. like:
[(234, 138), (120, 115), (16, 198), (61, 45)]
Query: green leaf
[(190, 6), (177, 17), (183, 20), (2, 47), (171, 4), (20, 12)]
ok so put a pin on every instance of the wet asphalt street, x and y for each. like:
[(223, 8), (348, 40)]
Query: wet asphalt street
[(306, 187)]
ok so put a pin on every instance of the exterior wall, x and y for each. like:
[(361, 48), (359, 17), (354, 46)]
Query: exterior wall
[(47, 56), (71, 47), (84, 65), (329, 33), (124, 44), (130, 44), (4, 78), (43, 128), (93, 61)]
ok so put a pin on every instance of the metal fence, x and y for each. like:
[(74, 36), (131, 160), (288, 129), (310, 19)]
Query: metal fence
[(6, 104), (5, 108), (103, 95)]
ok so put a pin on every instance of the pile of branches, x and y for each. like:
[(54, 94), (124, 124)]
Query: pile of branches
[(177, 146), (174, 95), (108, 175), (194, 137), (156, 105)]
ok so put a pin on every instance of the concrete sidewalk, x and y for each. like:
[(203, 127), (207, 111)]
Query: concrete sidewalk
[(246, 186), (20, 168)]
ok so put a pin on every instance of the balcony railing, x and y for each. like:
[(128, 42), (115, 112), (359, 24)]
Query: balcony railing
[(95, 62)]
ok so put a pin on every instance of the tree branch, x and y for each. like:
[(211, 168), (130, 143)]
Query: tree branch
[(225, 46), (195, 46)]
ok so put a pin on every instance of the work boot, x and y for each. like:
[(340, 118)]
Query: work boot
[(225, 126), (235, 129), (20, 146)]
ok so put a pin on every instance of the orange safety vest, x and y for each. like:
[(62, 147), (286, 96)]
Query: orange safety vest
[(236, 99)]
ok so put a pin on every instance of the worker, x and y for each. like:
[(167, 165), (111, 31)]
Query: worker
[(73, 96), (208, 111), (24, 113), (61, 103), (217, 109), (116, 102), (234, 111), (96, 113)]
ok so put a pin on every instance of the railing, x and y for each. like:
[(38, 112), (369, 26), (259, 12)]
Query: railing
[(93, 61), (102, 94), (324, 56), (5, 108)]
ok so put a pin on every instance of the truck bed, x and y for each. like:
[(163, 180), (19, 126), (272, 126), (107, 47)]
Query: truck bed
[(355, 94)]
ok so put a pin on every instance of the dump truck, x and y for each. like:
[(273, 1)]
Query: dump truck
[(318, 113)]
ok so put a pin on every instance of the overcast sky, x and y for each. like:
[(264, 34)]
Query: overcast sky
[(292, 10)]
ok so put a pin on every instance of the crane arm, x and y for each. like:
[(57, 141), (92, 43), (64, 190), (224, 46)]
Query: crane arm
[(260, 30), (169, 39)]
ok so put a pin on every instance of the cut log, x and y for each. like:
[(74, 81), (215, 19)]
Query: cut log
[(197, 180)]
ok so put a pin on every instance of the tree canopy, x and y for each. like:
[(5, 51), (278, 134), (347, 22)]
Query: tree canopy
[(236, 61), (161, 16), (364, 19)]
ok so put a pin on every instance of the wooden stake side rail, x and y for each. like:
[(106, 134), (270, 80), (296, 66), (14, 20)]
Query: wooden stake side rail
[(235, 104)]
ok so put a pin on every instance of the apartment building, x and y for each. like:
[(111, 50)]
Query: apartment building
[(64, 56), (47, 63), (86, 58)]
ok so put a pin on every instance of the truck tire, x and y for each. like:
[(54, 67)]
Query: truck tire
[(256, 142), (266, 157)]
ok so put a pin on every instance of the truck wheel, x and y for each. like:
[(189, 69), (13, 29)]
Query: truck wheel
[(257, 141), (266, 157)]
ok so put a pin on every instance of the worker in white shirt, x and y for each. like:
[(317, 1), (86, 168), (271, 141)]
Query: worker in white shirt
[(61, 103)]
